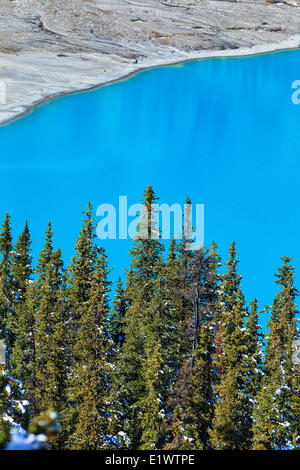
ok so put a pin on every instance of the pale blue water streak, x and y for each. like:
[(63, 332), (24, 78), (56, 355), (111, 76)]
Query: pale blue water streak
[(223, 131)]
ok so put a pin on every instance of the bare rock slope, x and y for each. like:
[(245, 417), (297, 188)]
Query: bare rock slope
[(50, 47)]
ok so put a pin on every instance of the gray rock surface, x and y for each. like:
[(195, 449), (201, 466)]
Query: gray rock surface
[(51, 47)]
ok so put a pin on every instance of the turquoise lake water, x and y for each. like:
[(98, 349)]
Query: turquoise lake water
[(223, 131)]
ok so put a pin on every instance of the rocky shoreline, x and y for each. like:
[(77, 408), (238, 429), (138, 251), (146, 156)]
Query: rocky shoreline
[(48, 49)]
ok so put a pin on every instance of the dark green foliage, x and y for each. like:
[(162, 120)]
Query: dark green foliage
[(7, 314), (90, 390), (81, 272), (232, 423), (83, 263), (177, 362), (50, 337), (13, 407), (200, 405), (22, 264), (23, 356), (116, 318), (277, 414), (21, 325), (45, 255), (178, 438), (132, 388)]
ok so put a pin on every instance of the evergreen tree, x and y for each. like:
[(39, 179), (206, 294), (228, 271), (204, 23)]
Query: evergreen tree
[(200, 406), (202, 291), (81, 271), (116, 318), (176, 311), (157, 369), (179, 441), (263, 426), (293, 441), (231, 427), (253, 361), (254, 343), (50, 370), (213, 280), (181, 307), (279, 395), (152, 403), (22, 271), (83, 263), (91, 369), (182, 301), (23, 362), (230, 290), (45, 255), (13, 407), (129, 379), (176, 364), (6, 286), (23, 356), (22, 264), (81, 274), (232, 423), (229, 295)]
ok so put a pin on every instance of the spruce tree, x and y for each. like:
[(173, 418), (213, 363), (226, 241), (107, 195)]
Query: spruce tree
[(229, 294), (152, 403), (200, 405), (81, 274), (129, 379), (177, 362), (201, 290), (7, 314), (116, 318), (183, 303), (45, 255), (50, 332), (23, 356), (180, 305), (82, 270), (13, 407), (263, 426), (277, 414), (294, 411), (213, 280), (90, 367), (230, 290), (231, 427), (22, 269), (176, 310), (253, 361), (179, 441), (157, 369)]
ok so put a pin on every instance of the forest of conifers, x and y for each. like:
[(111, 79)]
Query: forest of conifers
[(176, 361)]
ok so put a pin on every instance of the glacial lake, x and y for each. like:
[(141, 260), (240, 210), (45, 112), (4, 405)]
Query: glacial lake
[(223, 131)]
